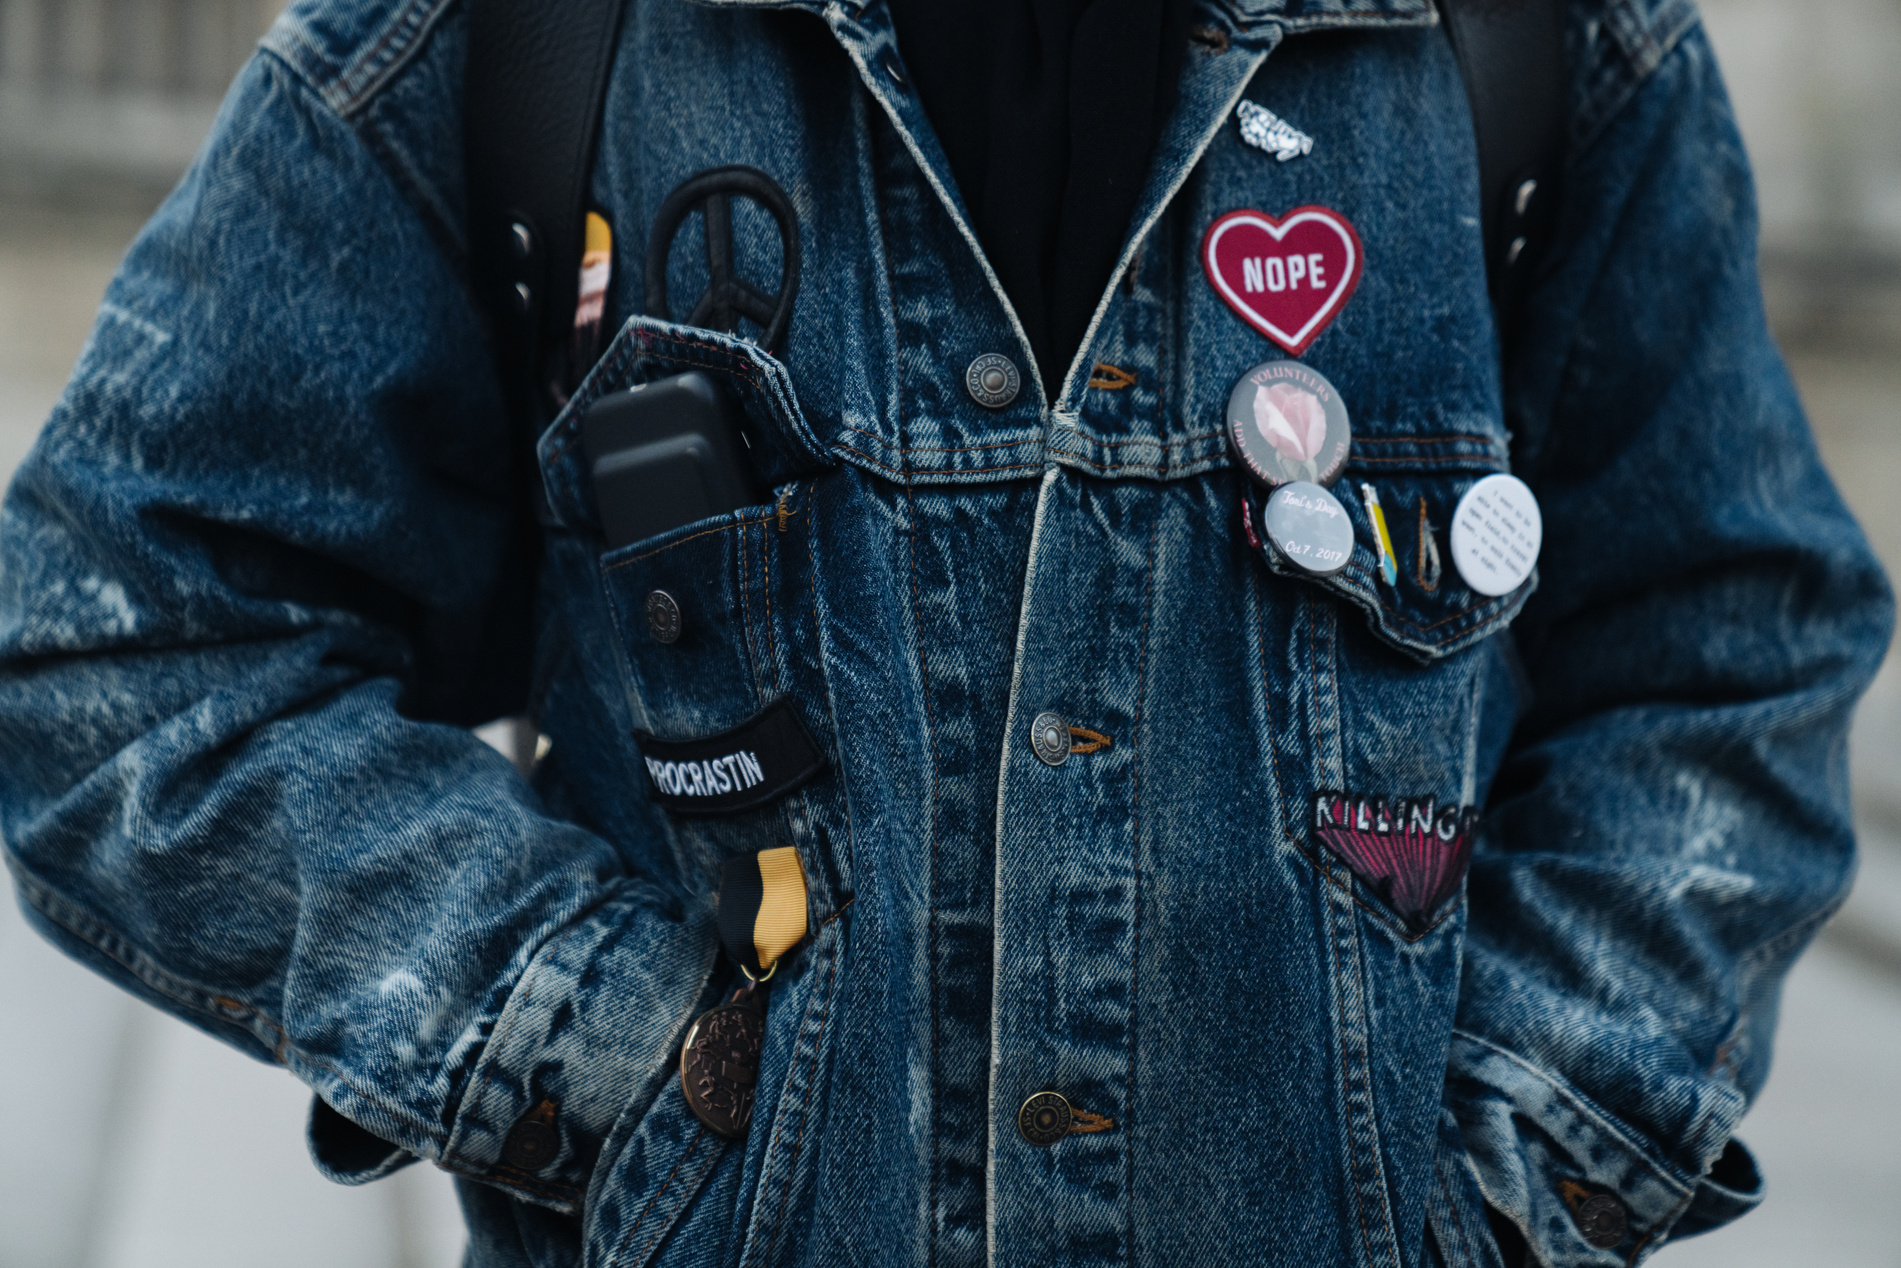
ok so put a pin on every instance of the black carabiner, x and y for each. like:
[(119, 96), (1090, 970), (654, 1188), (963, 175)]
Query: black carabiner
[(727, 297)]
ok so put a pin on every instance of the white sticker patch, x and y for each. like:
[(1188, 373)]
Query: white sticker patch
[(1265, 130)]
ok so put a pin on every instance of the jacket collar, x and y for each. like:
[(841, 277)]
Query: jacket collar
[(1244, 16), (1324, 15)]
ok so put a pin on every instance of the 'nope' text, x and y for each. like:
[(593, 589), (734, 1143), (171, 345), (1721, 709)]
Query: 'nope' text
[(1279, 273)]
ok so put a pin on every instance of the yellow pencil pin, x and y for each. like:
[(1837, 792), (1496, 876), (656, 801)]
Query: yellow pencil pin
[(1389, 562), (597, 270)]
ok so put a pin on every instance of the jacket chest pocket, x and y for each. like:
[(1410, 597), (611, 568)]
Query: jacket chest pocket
[(693, 605), (694, 614), (708, 618), (1412, 689)]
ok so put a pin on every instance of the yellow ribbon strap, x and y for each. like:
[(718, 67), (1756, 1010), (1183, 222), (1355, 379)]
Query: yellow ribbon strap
[(761, 908), (780, 924)]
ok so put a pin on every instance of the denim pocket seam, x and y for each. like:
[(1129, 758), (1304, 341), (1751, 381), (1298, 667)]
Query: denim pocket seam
[(1452, 1210), (1096, 440), (1422, 643), (903, 473), (739, 521), (1189, 466), (1431, 438), (1026, 439), (747, 622), (620, 1248), (837, 883), (667, 346), (1449, 462), (765, 592), (1499, 608), (811, 1085), (1267, 697)]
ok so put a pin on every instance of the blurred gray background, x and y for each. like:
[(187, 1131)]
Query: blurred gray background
[(132, 1141)]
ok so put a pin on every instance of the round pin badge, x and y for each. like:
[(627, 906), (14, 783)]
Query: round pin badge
[(1287, 423), (1309, 528), (1496, 532)]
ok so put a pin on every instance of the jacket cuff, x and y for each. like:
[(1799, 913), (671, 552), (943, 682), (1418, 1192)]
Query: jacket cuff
[(590, 1030), (1586, 1191)]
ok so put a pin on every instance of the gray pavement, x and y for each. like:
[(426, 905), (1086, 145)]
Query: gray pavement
[(136, 1142)]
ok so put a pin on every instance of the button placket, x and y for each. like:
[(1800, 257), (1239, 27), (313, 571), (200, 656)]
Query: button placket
[(1067, 884)]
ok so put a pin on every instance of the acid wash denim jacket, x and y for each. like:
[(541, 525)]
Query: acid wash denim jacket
[(252, 570)]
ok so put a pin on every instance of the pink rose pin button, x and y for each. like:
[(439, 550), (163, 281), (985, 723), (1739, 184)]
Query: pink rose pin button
[(1287, 423)]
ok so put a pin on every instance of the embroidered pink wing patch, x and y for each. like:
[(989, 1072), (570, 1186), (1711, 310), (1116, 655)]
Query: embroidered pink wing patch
[(1411, 851)]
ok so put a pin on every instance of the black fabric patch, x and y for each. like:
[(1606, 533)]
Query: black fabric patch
[(758, 761)]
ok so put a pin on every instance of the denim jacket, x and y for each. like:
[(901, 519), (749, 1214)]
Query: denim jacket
[(252, 569)]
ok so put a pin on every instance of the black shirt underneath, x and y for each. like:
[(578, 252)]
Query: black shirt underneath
[(1048, 111)]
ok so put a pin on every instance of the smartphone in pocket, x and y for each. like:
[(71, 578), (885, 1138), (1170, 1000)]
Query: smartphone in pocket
[(667, 453)]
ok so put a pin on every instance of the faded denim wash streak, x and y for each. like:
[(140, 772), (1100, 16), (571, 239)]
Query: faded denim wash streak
[(251, 569)]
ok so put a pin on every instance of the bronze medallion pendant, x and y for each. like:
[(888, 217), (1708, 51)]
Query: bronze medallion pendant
[(719, 1067)]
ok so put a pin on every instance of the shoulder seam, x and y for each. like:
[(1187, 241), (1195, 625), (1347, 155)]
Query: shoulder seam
[(349, 87), (1641, 42), (347, 91)]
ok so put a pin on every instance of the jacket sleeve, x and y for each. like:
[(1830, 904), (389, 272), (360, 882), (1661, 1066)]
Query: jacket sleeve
[(1671, 824), (250, 571)]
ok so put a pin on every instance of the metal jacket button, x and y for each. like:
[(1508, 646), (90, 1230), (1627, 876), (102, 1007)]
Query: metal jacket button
[(521, 242), (663, 617), (1602, 1220), (1045, 1119), (532, 1141), (992, 380), (1049, 737)]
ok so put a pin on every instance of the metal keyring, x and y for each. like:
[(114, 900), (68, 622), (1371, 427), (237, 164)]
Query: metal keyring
[(760, 981), (727, 297)]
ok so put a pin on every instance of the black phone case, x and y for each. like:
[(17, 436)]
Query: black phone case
[(664, 454)]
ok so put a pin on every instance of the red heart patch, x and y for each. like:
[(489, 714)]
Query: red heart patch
[(1288, 277)]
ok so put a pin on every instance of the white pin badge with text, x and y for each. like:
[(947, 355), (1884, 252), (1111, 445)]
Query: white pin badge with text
[(1265, 130), (1496, 533)]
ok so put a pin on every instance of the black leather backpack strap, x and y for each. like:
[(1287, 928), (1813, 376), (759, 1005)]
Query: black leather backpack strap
[(1511, 55), (536, 80)]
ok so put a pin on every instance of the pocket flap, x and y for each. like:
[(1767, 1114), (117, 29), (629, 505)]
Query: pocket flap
[(1429, 613), (781, 443)]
